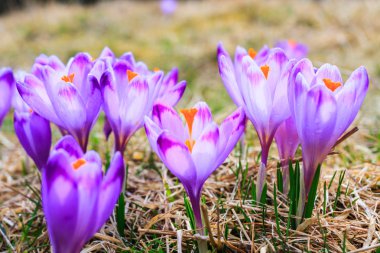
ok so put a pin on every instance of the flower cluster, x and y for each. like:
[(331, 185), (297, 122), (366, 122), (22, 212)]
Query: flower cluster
[(284, 96), (288, 99)]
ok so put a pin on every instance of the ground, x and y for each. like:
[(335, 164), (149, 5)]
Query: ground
[(345, 33)]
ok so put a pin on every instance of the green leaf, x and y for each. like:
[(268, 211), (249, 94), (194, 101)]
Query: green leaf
[(253, 193), (338, 191), (324, 197), (276, 211), (263, 199), (120, 215), (312, 194), (120, 208), (279, 178), (189, 213)]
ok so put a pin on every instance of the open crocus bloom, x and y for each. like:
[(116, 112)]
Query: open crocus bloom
[(260, 87), (194, 151), (32, 131), (77, 198), (7, 83), (129, 90), (323, 108), (293, 49), (67, 96)]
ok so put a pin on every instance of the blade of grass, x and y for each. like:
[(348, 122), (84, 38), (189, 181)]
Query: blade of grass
[(279, 178), (312, 194), (338, 191)]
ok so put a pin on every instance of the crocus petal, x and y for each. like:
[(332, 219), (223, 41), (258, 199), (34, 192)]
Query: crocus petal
[(133, 107), (93, 100), (297, 95), (304, 66), (68, 105), (230, 130), (111, 99), (317, 130), (110, 189), (328, 71), (171, 78), (227, 73), (287, 139), (107, 129), (7, 83), (256, 95), (173, 94), (350, 99), (240, 52), (60, 204), (80, 66), (177, 158), (280, 108), (202, 119), (70, 146), (167, 119), (34, 135), (33, 92), (205, 152), (153, 131), (277, 62), (106, 52), (89, 178)]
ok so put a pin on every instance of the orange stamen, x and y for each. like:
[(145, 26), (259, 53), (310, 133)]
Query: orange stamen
[(331, 85), (252, 53), (78, 163), (189, 115), (292, 43), (30, 110), (155, 69), (190, 144), (265, 70), (69, 78), (131, 75)]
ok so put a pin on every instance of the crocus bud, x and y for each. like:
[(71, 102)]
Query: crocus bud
[(34, 134), (7, 83)]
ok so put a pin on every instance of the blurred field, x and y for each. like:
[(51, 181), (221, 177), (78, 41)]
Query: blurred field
[(345, 33)]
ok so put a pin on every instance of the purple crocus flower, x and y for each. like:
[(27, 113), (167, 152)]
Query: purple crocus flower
[(33, 132), (287, 141), (67, 96), (293, 49), (168, 6), (193, 152), (129, 90), (323, 108), (7, 83), (77, 198), (260, 87)]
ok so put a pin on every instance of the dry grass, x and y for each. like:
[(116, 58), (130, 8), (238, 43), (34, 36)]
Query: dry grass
[(341, 32)]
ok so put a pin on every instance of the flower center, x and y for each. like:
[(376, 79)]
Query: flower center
[(131, 75), (189, 115), (155, 69), (252, 53), (331, 85), (69, 78), (265, 70), (78, 163)]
